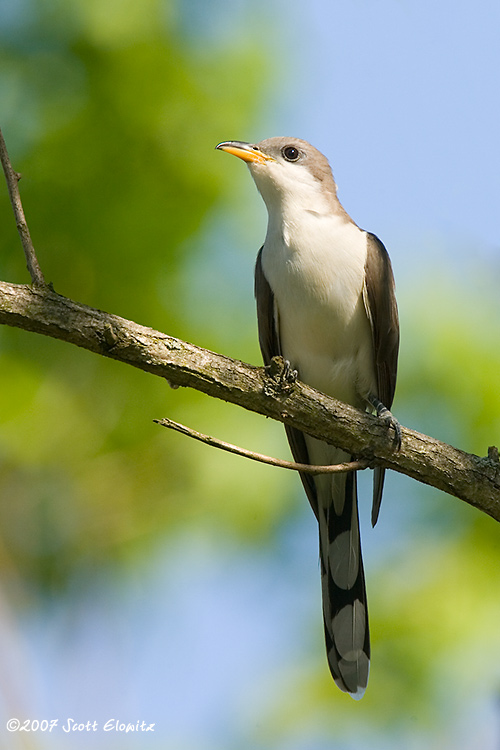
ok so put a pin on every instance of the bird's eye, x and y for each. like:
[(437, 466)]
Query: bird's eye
[(290, 153)]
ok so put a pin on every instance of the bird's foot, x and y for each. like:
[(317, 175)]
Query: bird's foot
[(388, 417), (282, 374)]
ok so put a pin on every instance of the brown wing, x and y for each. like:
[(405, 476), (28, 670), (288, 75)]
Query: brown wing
[(268, 323), (382, 310)]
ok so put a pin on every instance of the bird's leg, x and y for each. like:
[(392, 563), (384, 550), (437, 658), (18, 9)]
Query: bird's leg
[(384, 413)]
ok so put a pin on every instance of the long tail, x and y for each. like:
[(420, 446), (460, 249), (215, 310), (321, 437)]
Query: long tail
[(345, 609)]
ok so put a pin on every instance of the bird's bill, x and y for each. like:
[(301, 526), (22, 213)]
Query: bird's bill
[(246, 151)]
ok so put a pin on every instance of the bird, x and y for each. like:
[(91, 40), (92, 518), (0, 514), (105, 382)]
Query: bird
[(326, 304)]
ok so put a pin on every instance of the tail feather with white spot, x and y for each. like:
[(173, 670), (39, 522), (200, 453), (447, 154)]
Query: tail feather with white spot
[(345, 609)]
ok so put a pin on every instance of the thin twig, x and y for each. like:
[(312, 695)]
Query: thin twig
[(13, 178), (305, 468)]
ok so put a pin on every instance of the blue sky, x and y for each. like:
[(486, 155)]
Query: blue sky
[(403, 98)]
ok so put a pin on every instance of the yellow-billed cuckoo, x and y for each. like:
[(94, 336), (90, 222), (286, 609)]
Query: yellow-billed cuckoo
[(326, 303)]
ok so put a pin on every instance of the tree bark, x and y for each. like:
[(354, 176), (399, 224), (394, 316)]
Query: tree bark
[(469, 477)]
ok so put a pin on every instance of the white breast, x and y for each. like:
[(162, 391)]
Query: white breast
[(315, 265)]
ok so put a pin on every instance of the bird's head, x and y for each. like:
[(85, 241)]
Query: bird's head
[(286, 169)]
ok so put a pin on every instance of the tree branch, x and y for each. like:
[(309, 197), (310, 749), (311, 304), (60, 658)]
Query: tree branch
[(39, 309), (473, 479)]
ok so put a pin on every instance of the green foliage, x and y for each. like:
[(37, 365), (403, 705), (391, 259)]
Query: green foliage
[(112, 117), (450, 362)]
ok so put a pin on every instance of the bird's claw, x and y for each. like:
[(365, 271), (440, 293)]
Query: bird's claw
[(394, 424), (288, 375), (388, 417)]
